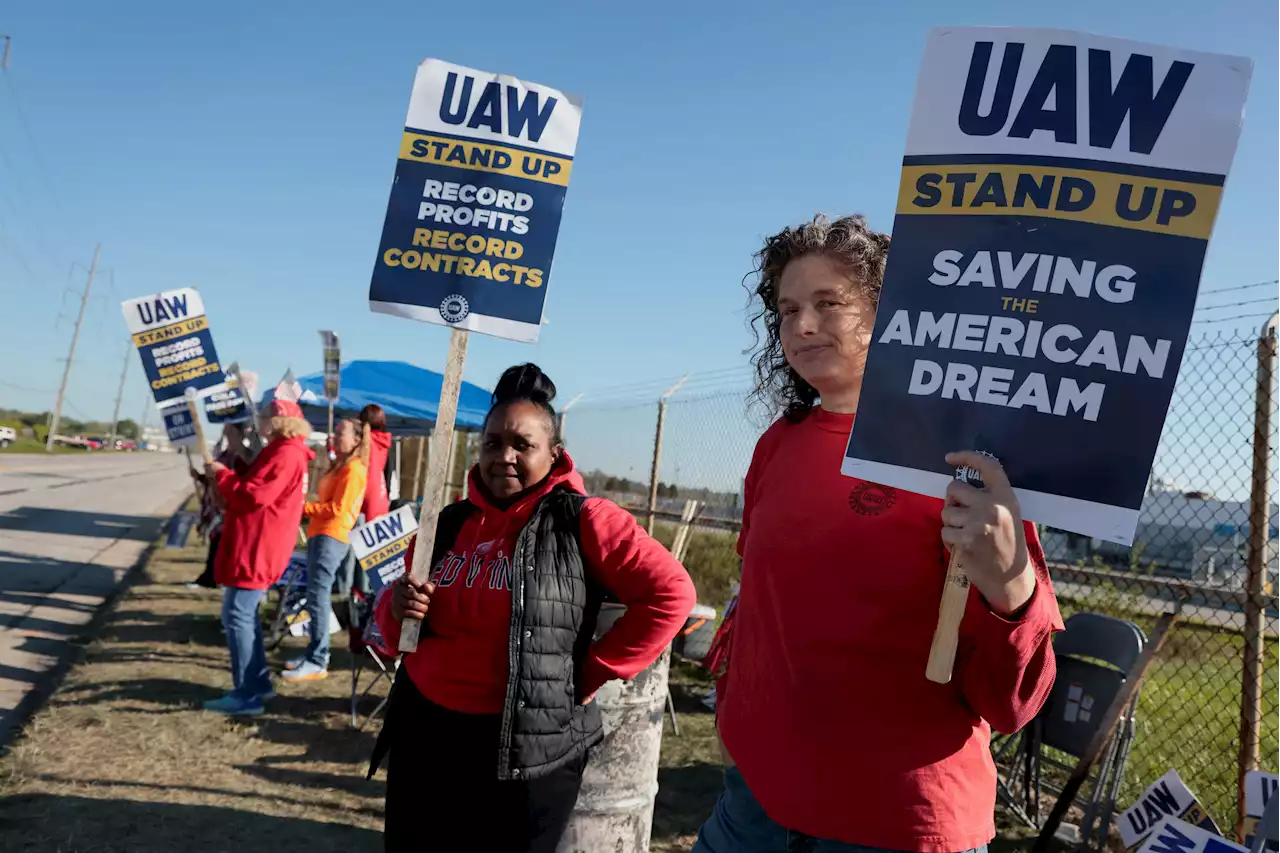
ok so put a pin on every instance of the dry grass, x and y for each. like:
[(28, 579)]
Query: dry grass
[(123, 759)]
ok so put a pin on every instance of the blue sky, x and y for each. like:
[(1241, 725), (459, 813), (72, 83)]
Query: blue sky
[(247, 148)]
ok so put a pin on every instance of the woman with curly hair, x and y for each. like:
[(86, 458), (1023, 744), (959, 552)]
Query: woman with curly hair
[(259, 529), (833, 738)]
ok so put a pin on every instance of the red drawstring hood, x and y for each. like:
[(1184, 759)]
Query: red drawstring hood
[(462, 658)]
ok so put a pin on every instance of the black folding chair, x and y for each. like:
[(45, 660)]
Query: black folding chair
[(368, 654), (1094, 654)]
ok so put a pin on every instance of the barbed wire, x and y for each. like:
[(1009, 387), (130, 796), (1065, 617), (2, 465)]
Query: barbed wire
[(1269, 299), (1239, 287)]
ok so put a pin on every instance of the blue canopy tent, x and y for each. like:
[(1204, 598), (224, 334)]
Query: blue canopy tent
[(409, 395)]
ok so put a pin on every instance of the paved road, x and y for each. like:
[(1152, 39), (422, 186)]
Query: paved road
[(71, 525)]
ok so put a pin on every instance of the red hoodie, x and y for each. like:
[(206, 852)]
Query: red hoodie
[(264, 509), (377, 502), (462, 660)]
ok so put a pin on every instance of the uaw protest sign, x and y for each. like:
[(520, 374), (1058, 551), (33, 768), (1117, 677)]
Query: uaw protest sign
[(380, 545), (475, 208), (1055, 205), (172, 335), (1174, 836), (1167, 797)]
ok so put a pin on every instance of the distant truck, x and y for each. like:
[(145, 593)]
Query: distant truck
[(8, 435)]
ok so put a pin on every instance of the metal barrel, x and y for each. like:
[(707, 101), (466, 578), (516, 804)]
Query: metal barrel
[(614, 812)]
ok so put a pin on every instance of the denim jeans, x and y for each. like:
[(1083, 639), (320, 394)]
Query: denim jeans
[(739, 825), (249, 674), (325, 557)]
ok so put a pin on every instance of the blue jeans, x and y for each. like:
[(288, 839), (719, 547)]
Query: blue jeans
[(325, 557), (739, 825), (249, 674)]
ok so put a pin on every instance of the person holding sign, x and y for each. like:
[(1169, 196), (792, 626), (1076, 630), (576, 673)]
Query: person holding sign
[(491, 718), (235, 455), (837, 735), (259, 529), (332, 515)]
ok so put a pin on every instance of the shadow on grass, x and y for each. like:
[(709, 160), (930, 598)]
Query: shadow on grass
[(42, 822), (154, 691), (686, 796), (141, 626)]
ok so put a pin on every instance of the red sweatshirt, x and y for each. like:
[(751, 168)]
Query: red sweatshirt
[(462, 660), (264, 509), (376, 501), (825, 707)]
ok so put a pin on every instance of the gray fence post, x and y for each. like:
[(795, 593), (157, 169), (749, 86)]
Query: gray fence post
[(1259, 535), (657, 455)]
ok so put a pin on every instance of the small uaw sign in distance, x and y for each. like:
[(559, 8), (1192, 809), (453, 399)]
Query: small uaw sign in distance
[(1055, 206), (471, 229)]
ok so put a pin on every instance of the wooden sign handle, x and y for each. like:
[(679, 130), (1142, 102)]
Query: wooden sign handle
[(955, 597), (437, 473), (193, 410)]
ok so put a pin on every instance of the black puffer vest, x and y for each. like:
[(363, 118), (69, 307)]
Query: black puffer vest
[(554, 608)]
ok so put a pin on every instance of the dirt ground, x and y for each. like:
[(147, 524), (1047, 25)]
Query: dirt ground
[(123, 759)]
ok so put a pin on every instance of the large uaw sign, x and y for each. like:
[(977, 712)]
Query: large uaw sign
[(172, 335), (1055, 205), (475, 208)]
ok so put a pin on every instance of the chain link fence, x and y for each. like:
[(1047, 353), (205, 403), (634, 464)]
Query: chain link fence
[(1193, 551)]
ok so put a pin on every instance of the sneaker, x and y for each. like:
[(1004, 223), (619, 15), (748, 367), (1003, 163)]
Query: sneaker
[(268, 696), (295, 663), (235, 707), (307, 672)]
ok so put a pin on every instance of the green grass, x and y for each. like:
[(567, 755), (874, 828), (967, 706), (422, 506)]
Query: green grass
[(711, 558)]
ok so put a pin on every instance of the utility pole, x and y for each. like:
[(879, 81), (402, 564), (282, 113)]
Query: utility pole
[(71, 354), (124, 371)]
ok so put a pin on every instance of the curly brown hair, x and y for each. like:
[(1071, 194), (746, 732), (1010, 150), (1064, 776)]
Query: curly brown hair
[(859, 251)]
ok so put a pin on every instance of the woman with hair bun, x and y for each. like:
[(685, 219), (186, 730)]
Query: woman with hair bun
[(490, 721)]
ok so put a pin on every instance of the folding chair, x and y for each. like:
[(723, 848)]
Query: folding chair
[(291, 599), (368, 652), (1094, 654)]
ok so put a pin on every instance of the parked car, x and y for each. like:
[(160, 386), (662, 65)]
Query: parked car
[(8, 435)]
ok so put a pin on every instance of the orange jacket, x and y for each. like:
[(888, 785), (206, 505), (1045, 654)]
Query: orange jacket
[(341, 492)]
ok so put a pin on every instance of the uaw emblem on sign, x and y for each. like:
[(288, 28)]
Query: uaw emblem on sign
[(454, 309)]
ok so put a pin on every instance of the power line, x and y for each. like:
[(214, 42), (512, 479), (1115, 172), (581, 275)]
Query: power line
[(18, 387), (35, 148)]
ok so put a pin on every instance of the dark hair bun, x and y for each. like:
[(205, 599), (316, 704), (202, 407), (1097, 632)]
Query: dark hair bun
[(524, 382)]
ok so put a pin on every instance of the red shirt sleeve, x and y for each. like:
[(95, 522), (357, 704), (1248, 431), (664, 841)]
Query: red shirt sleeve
[(1006, 666), (645, 577), (387, 624)]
